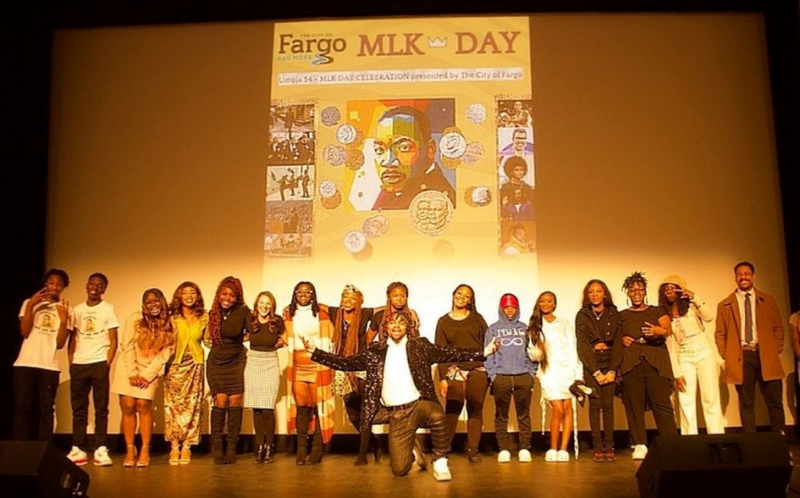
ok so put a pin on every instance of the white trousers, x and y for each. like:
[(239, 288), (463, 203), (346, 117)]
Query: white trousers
[(699, 367)]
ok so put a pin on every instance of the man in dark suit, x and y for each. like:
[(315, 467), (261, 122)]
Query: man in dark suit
[(399, 388), (750, 335)]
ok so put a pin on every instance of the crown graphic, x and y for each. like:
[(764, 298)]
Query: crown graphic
[(437, 42)]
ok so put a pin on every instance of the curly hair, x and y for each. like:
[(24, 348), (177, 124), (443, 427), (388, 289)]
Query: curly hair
[(382, 334), (57, 272), (215, 315), (175, 306), (405, 315), (154, 332)]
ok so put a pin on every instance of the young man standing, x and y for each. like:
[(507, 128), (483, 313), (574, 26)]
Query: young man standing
[(92, 347)]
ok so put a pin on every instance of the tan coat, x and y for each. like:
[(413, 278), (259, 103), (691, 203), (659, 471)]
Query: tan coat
[(770, 337)]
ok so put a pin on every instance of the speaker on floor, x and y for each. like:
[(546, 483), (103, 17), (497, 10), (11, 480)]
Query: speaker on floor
[(39, 469), (752, 464)]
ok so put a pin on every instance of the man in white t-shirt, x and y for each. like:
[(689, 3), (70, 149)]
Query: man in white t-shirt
[(45, 320), (92, 346)]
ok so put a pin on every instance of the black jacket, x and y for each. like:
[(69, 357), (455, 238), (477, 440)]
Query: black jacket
[(421, 356)]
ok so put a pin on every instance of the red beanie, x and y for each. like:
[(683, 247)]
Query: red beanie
[(509, 300)]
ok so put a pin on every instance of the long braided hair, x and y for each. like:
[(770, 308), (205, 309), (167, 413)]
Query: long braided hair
[(215, 315), (350, 346), (154, 332)]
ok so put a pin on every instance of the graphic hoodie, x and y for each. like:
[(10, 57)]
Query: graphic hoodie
[(511, 358)]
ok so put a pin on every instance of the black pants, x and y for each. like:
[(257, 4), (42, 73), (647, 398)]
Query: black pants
[(84, 378), (521, 388), (403, 425), (601, 413), (641, 387), (771, 390), (34, 386)]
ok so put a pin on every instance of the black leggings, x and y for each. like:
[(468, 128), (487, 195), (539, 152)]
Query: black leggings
[(473, 393)]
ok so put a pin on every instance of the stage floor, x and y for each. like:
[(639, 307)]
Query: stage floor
[(336, 476)]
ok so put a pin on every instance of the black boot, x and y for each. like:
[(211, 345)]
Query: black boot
[(303, 415), (259, 454), (234, 428), (316, 443), (266, 456), (217, 424), (376, 447)]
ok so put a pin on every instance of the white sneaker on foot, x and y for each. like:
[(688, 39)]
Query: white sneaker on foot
[(78, 456), (504, 456), (524, 456), (441, 471), (639, 452), (551, 456), (101, 457), (562, 456)]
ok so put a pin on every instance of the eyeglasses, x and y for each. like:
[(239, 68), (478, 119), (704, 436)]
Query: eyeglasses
[(301, 292)]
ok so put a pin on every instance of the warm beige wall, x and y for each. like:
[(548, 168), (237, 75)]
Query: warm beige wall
[(654, 152)]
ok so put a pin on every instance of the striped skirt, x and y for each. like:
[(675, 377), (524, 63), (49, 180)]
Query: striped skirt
[(261, 379), (184, 384)]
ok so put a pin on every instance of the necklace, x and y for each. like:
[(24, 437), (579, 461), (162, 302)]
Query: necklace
[(226, 313), (597, 315)]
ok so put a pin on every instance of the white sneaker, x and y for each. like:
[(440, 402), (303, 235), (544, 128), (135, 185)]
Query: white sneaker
[(524, 456), (563, 456), (441, 471), (551, 456), (101, 457), (504, 456), (78, 456), (639, 452)]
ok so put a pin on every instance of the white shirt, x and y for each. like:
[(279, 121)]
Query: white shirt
[(91, 332), (305, 324), (740, 300), (39, 350), (398, 383)]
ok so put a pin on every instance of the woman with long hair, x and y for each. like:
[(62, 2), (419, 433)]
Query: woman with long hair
[(148, 342), (694, 361), (310, 393), (597, 329), (646, 370), (463, 383), (262, 374), (184, 382), (558, 373), (228, 322), (350, 337), (396, 301)]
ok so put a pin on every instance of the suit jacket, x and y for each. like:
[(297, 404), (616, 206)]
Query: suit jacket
[(770, 337), (422, 355)]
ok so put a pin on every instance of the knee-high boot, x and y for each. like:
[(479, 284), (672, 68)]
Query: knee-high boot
[(303, 416), (234, 428), (363, 448), (316, 444), (217, 425)]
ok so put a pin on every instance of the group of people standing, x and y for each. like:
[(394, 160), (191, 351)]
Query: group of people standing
[(375, 360)]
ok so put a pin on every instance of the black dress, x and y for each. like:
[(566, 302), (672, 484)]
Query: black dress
[(226, 361)]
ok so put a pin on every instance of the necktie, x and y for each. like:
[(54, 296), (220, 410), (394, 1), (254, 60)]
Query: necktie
[(748, 319)]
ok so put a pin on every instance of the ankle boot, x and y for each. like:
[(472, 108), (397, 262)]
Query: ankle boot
[(303, 415), (266, 455), (234, 428), (259, 454), (217, 424)]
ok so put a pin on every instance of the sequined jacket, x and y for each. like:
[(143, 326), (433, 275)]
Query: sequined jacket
[(421, 356)]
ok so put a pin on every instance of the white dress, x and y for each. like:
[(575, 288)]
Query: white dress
[(563, 365)]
